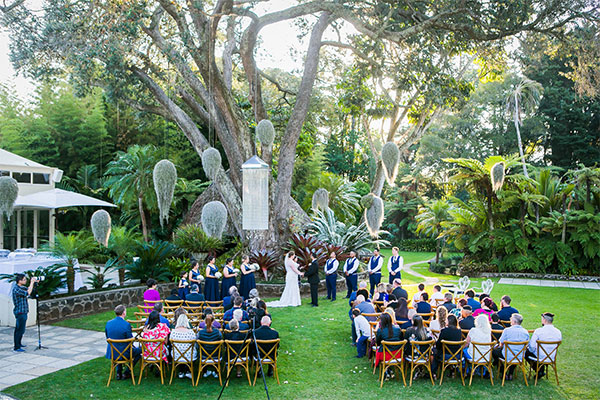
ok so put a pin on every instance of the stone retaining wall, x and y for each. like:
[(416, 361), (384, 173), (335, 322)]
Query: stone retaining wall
[(555, 277), (53, 310)]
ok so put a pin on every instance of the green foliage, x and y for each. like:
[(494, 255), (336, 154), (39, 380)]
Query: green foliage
[(177, 266), (164, 176), (417, 245), (343, 198), (101, 225), (214, 218), (192, 239), (152, 261), (98, 278), (54, 279), (9, 190)]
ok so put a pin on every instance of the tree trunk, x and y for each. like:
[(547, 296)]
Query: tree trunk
[(520, 144), (70, 278), (143, 216), (437, 251)]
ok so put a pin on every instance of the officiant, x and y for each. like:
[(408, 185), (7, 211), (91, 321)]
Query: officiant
[(313, 279)]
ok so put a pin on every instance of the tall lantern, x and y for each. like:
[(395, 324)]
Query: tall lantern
[(255, 194)]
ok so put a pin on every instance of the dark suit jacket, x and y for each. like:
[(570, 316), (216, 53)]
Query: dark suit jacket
[(467, 323), (265, 333), (313, 273), (399, 292), (117, 328), (194, 297)]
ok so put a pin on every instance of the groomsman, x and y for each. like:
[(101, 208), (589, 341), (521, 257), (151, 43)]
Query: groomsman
[(331, 267), (374, 268), (350, 268), (395, 264)]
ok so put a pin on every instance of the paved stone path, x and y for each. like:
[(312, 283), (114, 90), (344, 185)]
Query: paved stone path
[(549, 283), (428, 279), (66, 347)]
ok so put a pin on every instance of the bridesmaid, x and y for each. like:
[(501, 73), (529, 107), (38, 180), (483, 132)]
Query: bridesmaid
[(183, 287), (194, 276), (211, 286), (247, 282), (229, 275)]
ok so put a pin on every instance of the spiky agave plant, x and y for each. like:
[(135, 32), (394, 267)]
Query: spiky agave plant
[(390, 157), (214, 218), (9, 190), (320, 199), (497, 173), (164, 176), (211, 162), (101, 225), (265, 132), (374, 215)]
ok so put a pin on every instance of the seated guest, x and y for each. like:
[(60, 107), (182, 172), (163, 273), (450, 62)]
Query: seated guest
[(514, 333), (260, 312), (265, 332), (363, 291), (155, 329), (388, 332), (480, 333), (235, 334), (418, 332), (253, 294), (151, 294), (492, 306), (117, 329), (209, 334), (423, 306), (485, 309), (437, 295), (505, 309), (228, 300), (496, 326), (392, 314), (402, 312), (449, 333), (158, 307), (457, 311), (208, 312), (238, 315), (363, 333), (398, 291), (448, 304), (410, 315), (441, 320), (362, 286), (467, 321), (237, 305), (469, 295), (174, 296), (547, 333), (182, 332), (364, 306), (194, 295), (380, 293), (417, 297)]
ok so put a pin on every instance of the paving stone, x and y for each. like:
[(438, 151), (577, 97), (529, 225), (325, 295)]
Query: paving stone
[(15, 379), (60, 364), (577, 285), (591, 285), (39, 371), (18, 367)]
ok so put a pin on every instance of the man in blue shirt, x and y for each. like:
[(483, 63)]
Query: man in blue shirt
[(514, 333), (469, 295), (20, 293), (237, 305), (119, 328), (506, 310)]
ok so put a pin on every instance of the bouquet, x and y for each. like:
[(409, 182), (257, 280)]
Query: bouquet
[(255, 267), (218, 275), (200, 278), (236, 271)]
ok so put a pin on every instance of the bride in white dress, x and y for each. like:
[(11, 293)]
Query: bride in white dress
[(291, 294)]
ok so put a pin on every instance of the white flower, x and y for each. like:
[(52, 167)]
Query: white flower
[(218, 275)]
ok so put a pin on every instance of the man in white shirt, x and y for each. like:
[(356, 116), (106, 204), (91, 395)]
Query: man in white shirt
[(350, 269), (437, 295), (395, 264), (331, 267), (547, 333), (363, 333), (417, 297), (374, 268)]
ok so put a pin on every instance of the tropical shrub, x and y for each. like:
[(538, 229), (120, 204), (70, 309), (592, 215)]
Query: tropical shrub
[(151, 261), (422, 245), (54, 279), (98, 278), (267, 260), (192, 239)]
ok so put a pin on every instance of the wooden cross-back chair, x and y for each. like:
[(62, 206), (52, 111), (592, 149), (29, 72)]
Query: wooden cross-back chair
[(194, 306), (464, 333), (418, 357), (153, 352), (172, 305), (482, 357), (439, 302), (238, 353), (213, 304), (505, 324), (267, 356), (149, 305), (183, 352), (392, 359), (141, 315), (496, 333), (455, 358), (371, 345), (379, 307), (121, 357), (209, 358), (513, 356), (427, 317), (546, 356), (435, 333)]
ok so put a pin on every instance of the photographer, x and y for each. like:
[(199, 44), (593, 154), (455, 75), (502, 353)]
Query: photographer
[(19, 296)]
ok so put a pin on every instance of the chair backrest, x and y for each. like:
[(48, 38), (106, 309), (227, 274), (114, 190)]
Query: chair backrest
[(505, 324), (482, 352), (120, 356), (388, 353), (453, 349), (153, 350), (194, 304), (373, 327), (206, 354), (141, 315), (496, 333), (214, 304), (420, 354), (136, 323), (435, 333), (371, 315), (465, 333), (546, 351), (426, 316), (237, 349), (172, 305), (439, 302), (514, 352), (267, 349), (379, 307), (183, 351)]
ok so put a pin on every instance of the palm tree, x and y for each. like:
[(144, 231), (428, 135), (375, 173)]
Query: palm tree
[(121, 242), (430, 219), (524, 99), (72, 248), (130, 179)]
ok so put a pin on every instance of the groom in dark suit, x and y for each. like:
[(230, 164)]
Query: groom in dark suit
[(313, 279)]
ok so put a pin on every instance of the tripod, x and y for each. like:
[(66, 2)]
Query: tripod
[(34, 294)]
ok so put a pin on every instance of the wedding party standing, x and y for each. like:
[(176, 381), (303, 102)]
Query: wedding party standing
[(291, 293), (331, 267), (247, 281), (229, 275), (184, 286), (195, 274), (350, 269), (374, 269), (395, 264), (211, 287), (312, 273)]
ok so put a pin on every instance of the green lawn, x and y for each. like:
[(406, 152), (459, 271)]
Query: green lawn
[(316, 359)]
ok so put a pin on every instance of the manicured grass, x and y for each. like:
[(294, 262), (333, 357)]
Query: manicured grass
[(317, 361)]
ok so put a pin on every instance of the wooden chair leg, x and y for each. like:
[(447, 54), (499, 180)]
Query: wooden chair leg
[(472, 372), (412, 369), (430, 373), (141, 370), (525, 373), (402, 371), (112, 366), (276, 373), (460, 370), (491, 371), (173, 367)]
